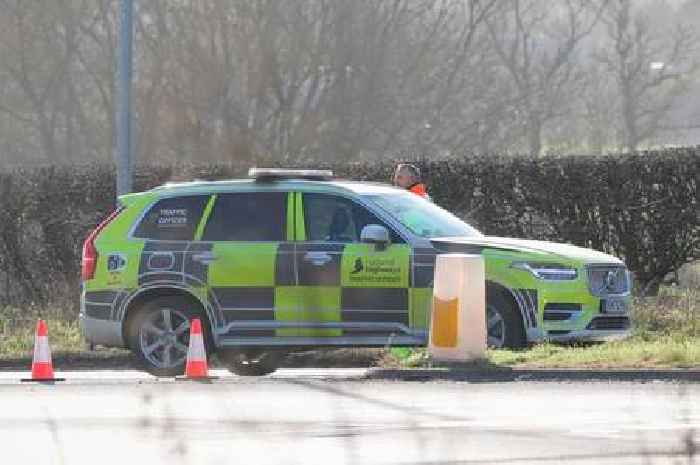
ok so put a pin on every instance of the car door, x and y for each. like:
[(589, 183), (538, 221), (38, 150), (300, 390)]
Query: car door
[(347, 288), (251, 264)]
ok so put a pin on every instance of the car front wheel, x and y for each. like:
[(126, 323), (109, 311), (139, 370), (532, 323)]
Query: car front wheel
[(504, 327)]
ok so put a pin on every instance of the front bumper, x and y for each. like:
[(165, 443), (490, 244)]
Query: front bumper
[(580, 316), (589, 335)]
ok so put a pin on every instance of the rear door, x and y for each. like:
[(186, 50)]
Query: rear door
[(170, 250), (251, 265), (349, 289)]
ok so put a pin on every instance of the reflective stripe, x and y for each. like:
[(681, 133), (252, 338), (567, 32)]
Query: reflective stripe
[(300, 225), (291, 229), (42, 351), (205, 217), (196, 350)]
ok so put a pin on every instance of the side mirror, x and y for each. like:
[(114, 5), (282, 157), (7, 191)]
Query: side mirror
[(375, 234)]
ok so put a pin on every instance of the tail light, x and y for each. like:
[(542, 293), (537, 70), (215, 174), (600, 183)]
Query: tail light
[(90, 254)]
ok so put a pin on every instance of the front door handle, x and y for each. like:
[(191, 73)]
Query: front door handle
[(317, 258), (204, 257)]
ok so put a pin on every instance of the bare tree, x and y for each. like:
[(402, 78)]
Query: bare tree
[(651, 69), (234, 79), (536, 42), (40, 47), (317, 77)]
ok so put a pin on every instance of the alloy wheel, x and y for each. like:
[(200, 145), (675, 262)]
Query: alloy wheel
[(164, 338)]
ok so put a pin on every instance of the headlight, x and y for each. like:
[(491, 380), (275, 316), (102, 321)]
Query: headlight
[(606, 280), (547, 271)]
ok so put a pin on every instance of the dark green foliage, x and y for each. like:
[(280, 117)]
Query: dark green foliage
[(643, 208)]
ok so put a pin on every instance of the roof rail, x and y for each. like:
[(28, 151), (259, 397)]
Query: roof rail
[(276, 174)]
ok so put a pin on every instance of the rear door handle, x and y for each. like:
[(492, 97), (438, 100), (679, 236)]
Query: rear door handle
[(204, 257), (317, 258)]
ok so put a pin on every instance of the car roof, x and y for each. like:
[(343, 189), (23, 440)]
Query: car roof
[(248, 185)]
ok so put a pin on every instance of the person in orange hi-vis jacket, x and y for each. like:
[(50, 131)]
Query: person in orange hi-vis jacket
[(408, 176)]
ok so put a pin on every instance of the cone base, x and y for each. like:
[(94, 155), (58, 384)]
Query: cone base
[(195, 378), (45, 380)]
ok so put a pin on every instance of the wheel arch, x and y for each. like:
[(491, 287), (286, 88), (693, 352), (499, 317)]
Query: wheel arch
[(505, 291), (145, 295)]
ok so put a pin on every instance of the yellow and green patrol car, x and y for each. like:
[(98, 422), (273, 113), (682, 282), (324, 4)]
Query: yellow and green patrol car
[(289, 260)]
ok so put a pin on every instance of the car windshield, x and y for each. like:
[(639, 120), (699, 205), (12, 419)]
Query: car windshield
[(421, 216)]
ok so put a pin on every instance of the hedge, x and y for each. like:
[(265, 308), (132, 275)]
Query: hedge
[(641, 207)]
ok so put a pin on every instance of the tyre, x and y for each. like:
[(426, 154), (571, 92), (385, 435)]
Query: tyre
[(247, 363), (159, 334), (504, 325)]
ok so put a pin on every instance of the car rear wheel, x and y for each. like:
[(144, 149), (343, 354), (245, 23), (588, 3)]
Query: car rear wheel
[(251, 363), (159, 335), (504, 326)]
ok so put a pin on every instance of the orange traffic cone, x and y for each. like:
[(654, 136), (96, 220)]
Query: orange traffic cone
[(196, 367), (42, 368)]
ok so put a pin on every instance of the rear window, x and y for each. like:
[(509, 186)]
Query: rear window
[(249, 216), (172, 219)]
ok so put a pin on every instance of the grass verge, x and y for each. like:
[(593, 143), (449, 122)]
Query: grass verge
[(666, 335), (662, 352), (18, 337)]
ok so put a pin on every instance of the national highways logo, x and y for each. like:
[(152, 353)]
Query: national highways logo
[(358, 266), (375, 270)]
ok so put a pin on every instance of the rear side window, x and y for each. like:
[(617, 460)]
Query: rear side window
[(172, 219), (248, 216)]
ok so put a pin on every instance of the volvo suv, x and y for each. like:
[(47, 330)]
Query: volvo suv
[(289, 260)]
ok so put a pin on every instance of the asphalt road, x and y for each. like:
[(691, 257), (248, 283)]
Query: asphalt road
[(339, 417)]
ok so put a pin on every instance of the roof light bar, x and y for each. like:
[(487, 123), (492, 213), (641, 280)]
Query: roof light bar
[(271, 174)]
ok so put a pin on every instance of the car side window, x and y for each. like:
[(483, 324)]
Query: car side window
[(249, 217), (337, 219), (172, 219)]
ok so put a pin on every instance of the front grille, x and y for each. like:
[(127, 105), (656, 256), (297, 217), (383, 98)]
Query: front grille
[(609, 323), (606, 280), (558, 332), (563, 307), (560, 311), (557, 316)]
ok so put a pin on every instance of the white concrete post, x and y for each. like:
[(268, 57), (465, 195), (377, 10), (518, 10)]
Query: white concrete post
[(458, 318)]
